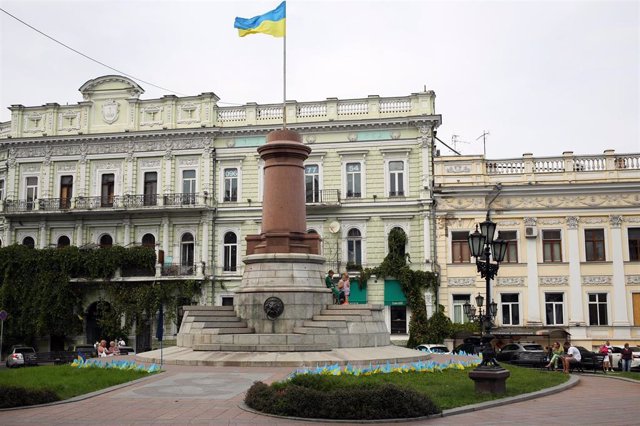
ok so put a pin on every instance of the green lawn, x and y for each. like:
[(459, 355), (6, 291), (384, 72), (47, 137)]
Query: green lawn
[(628, 374), (67, 381), (454, 388)]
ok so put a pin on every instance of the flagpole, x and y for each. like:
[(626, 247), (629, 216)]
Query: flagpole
[(284, 77)]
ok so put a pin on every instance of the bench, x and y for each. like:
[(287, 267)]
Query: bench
[(56, 357), (596, 365)]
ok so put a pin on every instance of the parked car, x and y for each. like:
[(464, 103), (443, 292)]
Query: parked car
[(89, 351), (21, 355), (531, 359), (470, 345), (127, 350), (433, 348), (511, 350), (617, 357), (588, 358)]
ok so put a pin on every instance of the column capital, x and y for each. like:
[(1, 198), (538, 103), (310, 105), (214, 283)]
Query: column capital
[(615, 221), (530, 221), (572, 222)]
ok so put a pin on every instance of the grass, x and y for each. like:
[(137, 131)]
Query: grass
[(626, 374), (66, 381), (454, 388)]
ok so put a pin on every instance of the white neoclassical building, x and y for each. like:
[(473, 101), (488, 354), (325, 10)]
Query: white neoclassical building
[(182, 174), (572, 224)]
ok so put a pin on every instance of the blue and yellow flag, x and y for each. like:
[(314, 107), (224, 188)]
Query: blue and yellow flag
[(273, 23)]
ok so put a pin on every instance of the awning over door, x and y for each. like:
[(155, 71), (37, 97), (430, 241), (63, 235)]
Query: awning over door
[(393, 294)]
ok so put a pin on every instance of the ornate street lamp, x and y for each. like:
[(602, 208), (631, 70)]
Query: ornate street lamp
[(488, 376), (483, 247)]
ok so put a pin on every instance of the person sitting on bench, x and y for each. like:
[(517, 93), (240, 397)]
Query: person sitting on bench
[(572, 357)]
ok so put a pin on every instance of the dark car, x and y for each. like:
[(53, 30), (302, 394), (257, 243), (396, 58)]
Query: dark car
[(470, 345), (590, 360), (88, 351), (513, 351), (21, 355)]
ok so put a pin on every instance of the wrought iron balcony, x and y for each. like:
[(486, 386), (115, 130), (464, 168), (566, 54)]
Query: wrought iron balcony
[(184, 199), (136, 200), (326, 197), (177, 269)]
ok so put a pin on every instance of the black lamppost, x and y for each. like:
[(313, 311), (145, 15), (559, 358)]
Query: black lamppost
[(488, 376), (483, 247)]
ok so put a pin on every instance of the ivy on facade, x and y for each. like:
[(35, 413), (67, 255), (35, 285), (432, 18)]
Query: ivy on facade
[(38, 290), (413, 284)]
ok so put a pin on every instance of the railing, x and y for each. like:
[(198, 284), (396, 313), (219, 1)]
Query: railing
[(232, 114), (312, 110), (589, 164), (505, 167), (395, 105), (51, 204), (177, 269), (353, 108), (19, 206), (325, 196), (138, 272), (87, 203), (137, 200), (553, 165), (269, 112), (627, 162), (186, 199)]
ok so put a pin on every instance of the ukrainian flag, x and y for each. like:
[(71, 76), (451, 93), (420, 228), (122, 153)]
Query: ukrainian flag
[(272, 23)]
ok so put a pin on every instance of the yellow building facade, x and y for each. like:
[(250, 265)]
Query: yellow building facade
[(572, 224), (182, 175)]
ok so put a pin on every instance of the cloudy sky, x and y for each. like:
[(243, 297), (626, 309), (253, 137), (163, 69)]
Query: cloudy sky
[(540, 76)]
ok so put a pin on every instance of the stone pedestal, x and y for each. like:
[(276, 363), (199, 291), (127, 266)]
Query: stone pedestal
[(296, 279), (490, 379)]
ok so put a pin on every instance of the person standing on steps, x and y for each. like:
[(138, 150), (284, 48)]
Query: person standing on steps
[(345, 286)]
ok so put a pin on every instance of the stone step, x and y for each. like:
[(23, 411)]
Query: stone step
[(195, 308), (209, 318), (356, 318), (346, 312), (326, 324), (311, 330), (356, 307), (223, 324), (225, 347), (220, 314), (231, 330)]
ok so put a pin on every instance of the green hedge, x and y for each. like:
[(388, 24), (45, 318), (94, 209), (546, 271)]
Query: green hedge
[(314, 398), (13, 396)]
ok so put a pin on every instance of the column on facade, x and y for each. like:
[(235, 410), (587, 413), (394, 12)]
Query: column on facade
[(533, 290), (45, 177), (43, 235), (6, 238), (576, 314), (620, 312), (79, 233), (206, 218), (206, 169), (168, 171), (165, 235), (82, 179), (127, 231), (131, 165), (11, 191)]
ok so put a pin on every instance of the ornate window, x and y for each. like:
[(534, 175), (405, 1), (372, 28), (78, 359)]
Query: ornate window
[(554, 307), (594, 245), (458, 308), (188, 187), (187, 248), (231, 184), (354, 180), (312, 183), (107, 191), (511, 237), (63, 241), (106, 241), (66, 191), (598, 309), (396, 178), (460, 252), (148, 240), (634, 244), (29, 242), (230, 252), (354, 246), (510, 308), (32, 191), (150, 188), (551, 245)]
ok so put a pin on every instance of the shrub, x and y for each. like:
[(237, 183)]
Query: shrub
[(324, 400), (14, 396)]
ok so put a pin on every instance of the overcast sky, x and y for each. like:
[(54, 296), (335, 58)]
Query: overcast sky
[(541, 76)]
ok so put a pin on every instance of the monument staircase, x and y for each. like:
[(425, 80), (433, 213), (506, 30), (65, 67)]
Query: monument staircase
[(218, 328)]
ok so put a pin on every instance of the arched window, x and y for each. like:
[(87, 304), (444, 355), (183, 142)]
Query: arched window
[(106, 241), (230, 252), (354, 246), (397, 241), (64, 241), (148, 240), (187, 246), (29, 242)]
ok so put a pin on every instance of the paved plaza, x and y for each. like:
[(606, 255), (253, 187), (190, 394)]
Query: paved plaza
[(199, 395)]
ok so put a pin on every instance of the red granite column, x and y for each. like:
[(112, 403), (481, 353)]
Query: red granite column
[(283, 208)]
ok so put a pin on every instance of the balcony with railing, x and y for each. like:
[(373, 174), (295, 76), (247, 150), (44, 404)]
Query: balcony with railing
[(110, 202), (177, 270), (323, 198), (608, 166)]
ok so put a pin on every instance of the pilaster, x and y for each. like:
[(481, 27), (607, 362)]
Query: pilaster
[(576, 314), (533, 291), (619, 308)]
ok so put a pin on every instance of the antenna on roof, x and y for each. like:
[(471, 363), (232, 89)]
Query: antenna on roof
[(455, 140), (484, 141)]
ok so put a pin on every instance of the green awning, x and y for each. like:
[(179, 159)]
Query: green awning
[(357, 296), (393, 294)]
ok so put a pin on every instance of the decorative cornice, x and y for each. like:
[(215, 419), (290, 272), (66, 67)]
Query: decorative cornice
[(596, 280), (551, 281), (510, 281), (462, 282), (633, 279)]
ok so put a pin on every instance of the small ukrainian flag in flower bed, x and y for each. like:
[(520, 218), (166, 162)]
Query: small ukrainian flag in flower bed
[(466, 361), (115, 364)]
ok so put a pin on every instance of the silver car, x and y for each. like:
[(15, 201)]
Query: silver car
[(20, 356)]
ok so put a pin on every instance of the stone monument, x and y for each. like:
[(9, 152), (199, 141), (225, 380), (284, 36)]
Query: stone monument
[(283, 304)]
